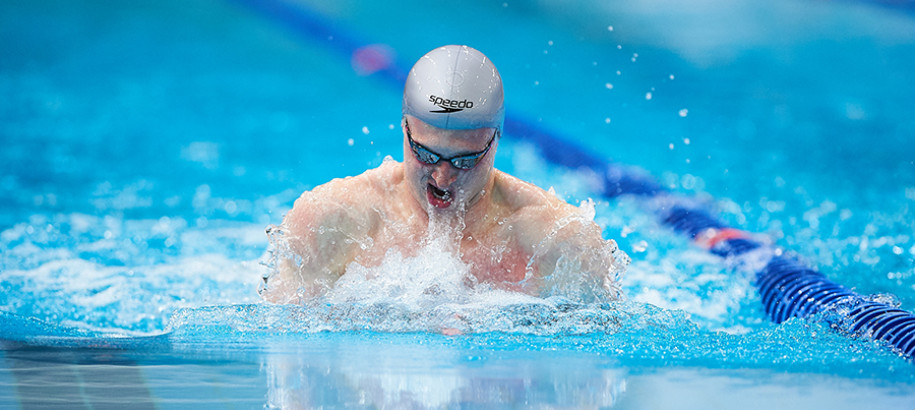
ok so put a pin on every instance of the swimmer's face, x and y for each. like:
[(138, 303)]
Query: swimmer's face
[(446, 184)]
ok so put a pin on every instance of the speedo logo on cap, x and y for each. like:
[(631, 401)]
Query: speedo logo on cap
[(449, 106)]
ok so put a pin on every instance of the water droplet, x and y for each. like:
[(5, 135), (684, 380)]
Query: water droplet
[(230, 207), (640, 246)]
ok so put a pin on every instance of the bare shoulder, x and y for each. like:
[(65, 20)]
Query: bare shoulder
[(346, 199), (353, 188), (325, 231), (528, 202), (545, 224), (567, 248)]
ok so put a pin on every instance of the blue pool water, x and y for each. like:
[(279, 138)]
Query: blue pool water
[(146, 146)]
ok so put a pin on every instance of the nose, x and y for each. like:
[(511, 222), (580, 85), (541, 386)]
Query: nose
[(444, 174)]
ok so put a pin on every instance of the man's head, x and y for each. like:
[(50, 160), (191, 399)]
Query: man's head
[(455, 88), (453, 114)]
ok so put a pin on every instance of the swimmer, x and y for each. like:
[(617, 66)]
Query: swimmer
[(512, 234)]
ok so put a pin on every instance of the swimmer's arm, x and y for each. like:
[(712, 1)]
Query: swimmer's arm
[(574, 253), (321, 233), (571, 239)]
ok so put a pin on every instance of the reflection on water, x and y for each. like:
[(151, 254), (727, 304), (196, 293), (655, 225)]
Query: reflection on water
[(421, 370), (370, 373)]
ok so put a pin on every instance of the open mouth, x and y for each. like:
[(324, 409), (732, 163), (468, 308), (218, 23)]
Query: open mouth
[(439, 198)]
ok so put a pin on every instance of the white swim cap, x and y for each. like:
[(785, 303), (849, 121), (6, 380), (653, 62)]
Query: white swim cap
[(455, 87)]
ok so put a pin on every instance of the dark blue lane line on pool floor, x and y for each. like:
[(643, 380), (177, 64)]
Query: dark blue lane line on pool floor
[(788, 287)]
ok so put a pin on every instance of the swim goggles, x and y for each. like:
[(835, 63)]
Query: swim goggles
[(460, 162)]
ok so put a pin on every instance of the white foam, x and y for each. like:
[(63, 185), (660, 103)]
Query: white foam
[(433, 289), (118, 276)]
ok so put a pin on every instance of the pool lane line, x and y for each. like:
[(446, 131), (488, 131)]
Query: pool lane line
[(787, 286)]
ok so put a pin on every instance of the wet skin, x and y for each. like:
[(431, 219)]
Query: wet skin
[(509, 231)]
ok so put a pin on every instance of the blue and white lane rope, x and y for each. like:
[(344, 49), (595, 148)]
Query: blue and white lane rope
[(787, 286)]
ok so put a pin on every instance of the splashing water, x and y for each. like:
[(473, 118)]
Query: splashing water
[(433, 289)]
